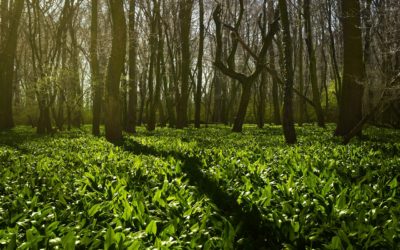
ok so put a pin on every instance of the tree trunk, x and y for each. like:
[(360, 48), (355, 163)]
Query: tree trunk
[(153, 67), (217, 98), (199, 67), (185, 16), (350, 112), (332, 46), (244, 103), (94, 63), (313, 65), (302, 103), (132, 93), (261, 101), (275, 90), (288, 123), (7, 55), (114, 69), (76, 89)]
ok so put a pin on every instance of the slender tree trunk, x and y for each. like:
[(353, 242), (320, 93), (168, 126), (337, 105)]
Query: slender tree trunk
[(7, 54), (313, 65), (217, 110), (261, 101), (114, 69), (132, 93), (288, 122), (302, 103), (275, 90), (94, 63), (77, 90), (199, 67), (143, 93), (338, 79), (185, 16), (350, 112), (153, 67)]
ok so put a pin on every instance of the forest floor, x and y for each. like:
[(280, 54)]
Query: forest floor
[(206, 189)]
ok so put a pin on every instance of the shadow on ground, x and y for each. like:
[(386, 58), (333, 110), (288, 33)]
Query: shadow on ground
[(254, 231)]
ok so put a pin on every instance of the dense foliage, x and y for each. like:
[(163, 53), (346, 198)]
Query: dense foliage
[(206, 188)]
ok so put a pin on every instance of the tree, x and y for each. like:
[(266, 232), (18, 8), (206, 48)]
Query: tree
[(350, 110), (288, 122), (185, 17), (199, 66), (132, 93), (154, 66), (9, 36), (94, 63), (246, 81), (300, 70), (312, 64), (114, 70)]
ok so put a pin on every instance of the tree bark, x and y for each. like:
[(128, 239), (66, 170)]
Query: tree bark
[(261, 101), (244, 103), (332, 46), (185, 16), (302, 103), (350, 111), (114, 69), (275, 90), (288, 122), (154, 69), (199, 66), (94, 63), (7, 55), (313, 65), (132, 93)]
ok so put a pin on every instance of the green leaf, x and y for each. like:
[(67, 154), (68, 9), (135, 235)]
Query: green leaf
[(393, 184), (13, 243), (135, 245), (296, 226), (50, 228), (152, 228), (336, 243), (68, 241), (94, 209), (109, 238)]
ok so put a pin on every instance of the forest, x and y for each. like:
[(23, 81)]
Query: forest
[(199, 124)]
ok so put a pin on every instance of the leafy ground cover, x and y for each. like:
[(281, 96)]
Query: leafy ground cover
[(205, 189)]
